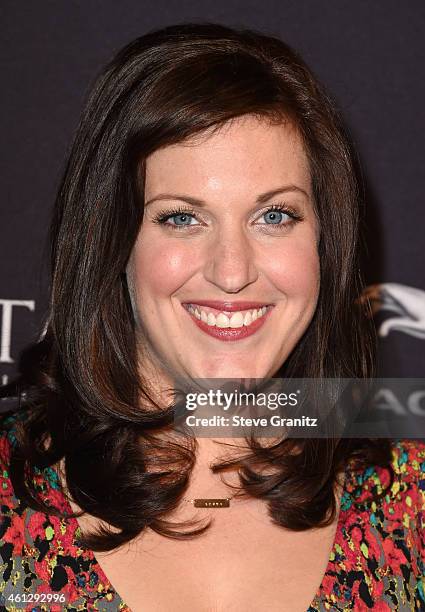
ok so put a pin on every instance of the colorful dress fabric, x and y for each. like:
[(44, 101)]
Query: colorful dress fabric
[(377, 561)]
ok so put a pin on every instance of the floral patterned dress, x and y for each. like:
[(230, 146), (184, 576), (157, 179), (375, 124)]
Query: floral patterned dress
[(377, 560)]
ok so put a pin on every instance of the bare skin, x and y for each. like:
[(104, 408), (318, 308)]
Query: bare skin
[(243, 562)]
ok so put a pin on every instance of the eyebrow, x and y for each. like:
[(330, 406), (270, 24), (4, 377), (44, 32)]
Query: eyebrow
[(263, 197)]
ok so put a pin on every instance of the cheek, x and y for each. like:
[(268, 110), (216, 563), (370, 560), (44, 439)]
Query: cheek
[(295, 269), (161, 267)]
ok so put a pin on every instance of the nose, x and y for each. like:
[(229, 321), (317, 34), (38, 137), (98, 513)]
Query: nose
[(230, 263)]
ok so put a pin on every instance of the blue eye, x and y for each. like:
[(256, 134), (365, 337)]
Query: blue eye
[(182, 219), (280, 216), (274, 216)]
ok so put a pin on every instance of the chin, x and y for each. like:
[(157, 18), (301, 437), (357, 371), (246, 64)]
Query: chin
[(230, 370)]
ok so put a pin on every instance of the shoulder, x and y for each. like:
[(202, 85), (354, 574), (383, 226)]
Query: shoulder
[(12, 512), (379, 551), (8, 423), (408, 463), (394, 493), (45, 482), (406, 492), (39, 552), (409, 456)]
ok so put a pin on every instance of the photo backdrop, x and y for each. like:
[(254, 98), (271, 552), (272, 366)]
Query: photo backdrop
[(369, 55)]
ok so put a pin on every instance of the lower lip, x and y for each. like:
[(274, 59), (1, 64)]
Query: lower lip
[(227, 334)]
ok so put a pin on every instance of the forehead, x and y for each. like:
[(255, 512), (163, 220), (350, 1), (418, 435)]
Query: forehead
[(242, 155)]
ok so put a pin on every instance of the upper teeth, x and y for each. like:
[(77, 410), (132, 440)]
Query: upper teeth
[(238, 319)]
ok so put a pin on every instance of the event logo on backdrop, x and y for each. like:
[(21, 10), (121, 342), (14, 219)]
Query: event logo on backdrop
[(406, 305), (7, 328)]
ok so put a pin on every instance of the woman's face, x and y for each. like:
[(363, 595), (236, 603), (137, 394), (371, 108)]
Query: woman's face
[(226, 253)]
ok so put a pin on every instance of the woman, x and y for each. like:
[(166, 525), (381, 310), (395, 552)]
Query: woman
[(206, 227)]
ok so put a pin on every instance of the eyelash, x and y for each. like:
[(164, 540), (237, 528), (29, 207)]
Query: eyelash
[(162, 216)]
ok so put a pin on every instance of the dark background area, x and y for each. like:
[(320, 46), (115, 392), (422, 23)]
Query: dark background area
[(369, 55)]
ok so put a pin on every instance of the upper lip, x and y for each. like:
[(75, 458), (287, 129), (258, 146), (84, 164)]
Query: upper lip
[(229, 306)]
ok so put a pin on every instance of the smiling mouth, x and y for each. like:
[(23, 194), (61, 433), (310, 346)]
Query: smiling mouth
[(228, 324)]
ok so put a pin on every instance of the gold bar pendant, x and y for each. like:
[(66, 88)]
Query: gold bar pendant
[(211, 503)]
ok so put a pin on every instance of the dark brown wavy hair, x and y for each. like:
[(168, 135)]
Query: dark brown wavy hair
[(79, 387)]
